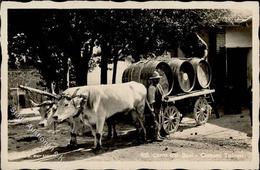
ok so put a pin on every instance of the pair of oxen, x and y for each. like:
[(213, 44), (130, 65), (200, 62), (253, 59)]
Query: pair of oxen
[(95, 105)]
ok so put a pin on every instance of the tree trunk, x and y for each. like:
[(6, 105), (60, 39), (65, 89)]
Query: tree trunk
[(105, 54), (82, 69), (114, 69), (81, 78)]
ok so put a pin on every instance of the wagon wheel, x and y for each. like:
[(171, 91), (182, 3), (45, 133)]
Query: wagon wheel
[(171, 119), (201, 111)]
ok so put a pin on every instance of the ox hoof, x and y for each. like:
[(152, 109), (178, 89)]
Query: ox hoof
[(108, 137), (138, 142), (97, 150), (115, 137), (142, 140), (72, 145)]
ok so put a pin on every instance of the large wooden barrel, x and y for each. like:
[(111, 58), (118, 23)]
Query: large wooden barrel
[(132, 73), (143, 70), (184, 75), (203, 72)]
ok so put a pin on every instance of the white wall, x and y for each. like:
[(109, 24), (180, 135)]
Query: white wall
[(238, 37), (94, 76), (241, 37)]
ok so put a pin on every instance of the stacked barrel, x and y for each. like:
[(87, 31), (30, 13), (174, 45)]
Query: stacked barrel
[(183, 73), (178, 75), (202, 72), (142, 71)]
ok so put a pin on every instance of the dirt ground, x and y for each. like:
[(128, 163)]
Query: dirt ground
[(227, 138)]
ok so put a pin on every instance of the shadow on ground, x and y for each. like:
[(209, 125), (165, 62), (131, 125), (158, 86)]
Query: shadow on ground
[(83, 150), (22, 140)]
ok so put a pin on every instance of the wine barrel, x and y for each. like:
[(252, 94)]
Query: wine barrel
[(203, 72), (132, 73), (184, 75), (143, 70), (126, 77)]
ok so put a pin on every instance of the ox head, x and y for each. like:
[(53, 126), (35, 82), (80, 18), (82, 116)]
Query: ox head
[(73, 105), (46, 110)]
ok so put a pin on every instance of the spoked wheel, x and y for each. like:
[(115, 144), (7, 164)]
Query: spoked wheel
[(201, 111), (171, 119)]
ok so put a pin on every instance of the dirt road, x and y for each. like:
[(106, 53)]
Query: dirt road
[(227, 138)]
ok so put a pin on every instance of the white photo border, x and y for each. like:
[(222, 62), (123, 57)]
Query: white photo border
[(253, 6)]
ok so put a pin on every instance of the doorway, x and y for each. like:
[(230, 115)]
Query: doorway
[(236, 82)]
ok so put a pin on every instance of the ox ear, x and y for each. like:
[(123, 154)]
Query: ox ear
[(79, 101), (93, 101)]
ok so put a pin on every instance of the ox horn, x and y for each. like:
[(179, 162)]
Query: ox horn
[(48, 102)]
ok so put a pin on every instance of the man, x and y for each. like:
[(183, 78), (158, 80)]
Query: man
[(154, 99)]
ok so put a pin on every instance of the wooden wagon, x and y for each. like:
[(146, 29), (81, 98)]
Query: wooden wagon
[(185, 83), (201, 110)]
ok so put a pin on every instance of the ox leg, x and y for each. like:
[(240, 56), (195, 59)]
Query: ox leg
[(73, 135), (141, 132), (99, 144), (109, 128), (114, 131), (143, 128), (140, 118), (93, 130), (73, 139), (99, 130)]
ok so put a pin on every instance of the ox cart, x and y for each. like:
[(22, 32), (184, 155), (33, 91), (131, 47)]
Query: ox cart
[(196, 102), (186, 87)]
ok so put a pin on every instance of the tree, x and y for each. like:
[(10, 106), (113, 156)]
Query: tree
[(52, 36)]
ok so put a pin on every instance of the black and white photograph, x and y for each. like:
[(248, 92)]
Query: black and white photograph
[(129, 85)]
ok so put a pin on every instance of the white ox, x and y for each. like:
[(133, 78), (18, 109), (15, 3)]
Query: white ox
[(47, 109), (94, 104)]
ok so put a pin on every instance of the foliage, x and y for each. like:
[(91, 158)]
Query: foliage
[(57, 35)]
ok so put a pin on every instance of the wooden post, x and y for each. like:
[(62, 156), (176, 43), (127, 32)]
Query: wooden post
[(68, 73), (18, 105)]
